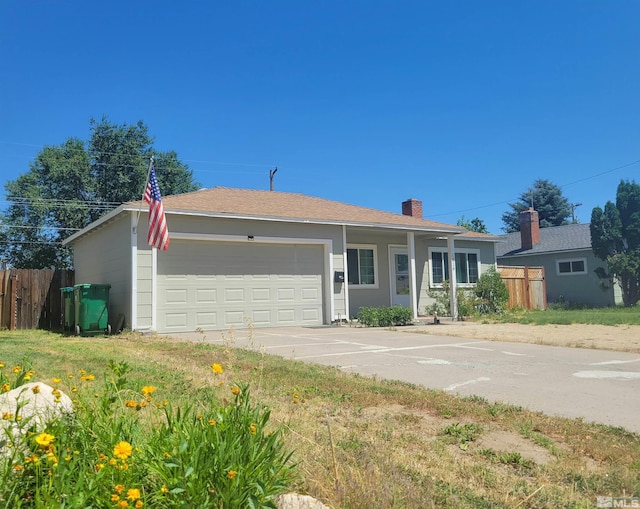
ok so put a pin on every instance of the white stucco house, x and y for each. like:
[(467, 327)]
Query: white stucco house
[(272, 259)]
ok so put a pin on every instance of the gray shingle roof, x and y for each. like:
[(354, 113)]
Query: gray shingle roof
[(556, 238)]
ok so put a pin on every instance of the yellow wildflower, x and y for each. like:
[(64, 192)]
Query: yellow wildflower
[(252, 428), (99, 467), (164, 490), (44, 440), (212, 422), (235, 390), (139, 504), (119, 488), (130, 403), (5, 387), (1, 365), (57, 380), (148, 389), (123, 503), (17, 369), (133, 494), (18, 468), (217, 368), (231, 474), (82, 372), (113, 462), (115, 497), (122, 450)]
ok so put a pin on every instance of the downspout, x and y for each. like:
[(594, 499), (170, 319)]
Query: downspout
[(133, 313), (453, 298)]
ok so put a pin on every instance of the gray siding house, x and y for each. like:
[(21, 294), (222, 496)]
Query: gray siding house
[(240, 257), (568, 260)]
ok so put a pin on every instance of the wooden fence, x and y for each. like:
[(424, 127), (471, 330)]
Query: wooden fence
[(31, 299), (527, 286)]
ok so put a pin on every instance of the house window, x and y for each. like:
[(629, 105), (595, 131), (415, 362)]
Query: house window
[(571, 267), (361, 266), (467, 267)]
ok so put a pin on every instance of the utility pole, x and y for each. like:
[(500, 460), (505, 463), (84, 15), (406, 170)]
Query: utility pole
[(271, 174), (573, 212)]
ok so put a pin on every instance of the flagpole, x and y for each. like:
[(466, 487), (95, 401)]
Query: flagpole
[(144, 190)]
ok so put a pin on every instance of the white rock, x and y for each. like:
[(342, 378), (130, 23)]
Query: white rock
[(36, 404), (295, 501)]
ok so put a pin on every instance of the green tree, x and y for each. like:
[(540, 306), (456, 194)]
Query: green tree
[(553, 208), (615, 239), (474, 225), (69, 186)]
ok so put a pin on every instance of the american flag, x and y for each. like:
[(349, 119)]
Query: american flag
[(158, 235)]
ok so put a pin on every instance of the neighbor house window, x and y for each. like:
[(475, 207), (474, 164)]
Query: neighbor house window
[(361, 266), (467, 267), (568, 267)]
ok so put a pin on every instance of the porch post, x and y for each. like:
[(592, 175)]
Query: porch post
[(453, 298), (345, 285), (413, 297)]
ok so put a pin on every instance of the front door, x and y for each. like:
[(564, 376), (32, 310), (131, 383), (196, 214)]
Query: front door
[(399, 259)]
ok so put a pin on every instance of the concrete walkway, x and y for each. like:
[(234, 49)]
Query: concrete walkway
[(599, 386)]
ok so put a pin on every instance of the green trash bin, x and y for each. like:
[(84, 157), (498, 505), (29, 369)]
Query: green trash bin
[(69, 314), (91, 309)]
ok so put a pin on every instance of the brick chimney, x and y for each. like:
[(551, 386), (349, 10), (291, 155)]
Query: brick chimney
[(529, 228), (412, 207)]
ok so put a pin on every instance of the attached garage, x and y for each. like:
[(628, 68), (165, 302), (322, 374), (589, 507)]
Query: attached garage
[(213, 285)]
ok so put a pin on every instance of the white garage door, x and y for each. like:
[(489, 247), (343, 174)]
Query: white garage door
[(213, 285)]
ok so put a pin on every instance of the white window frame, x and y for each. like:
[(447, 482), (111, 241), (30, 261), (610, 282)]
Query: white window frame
[(376, 275), (443, 251), (572, 272)]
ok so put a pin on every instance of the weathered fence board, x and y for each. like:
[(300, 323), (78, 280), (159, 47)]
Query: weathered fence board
[(30, 299), (527, 286)]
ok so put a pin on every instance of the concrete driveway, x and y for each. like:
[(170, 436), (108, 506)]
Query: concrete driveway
[(596, 385)]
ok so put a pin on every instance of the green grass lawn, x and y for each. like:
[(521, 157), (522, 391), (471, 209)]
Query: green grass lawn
[(360, 442), (559, 316)]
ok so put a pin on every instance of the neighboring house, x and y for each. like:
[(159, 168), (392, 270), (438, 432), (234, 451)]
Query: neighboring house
[(271, 259), (566, 255)]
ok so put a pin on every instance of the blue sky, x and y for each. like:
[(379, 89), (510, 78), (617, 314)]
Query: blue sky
[(461, 104)]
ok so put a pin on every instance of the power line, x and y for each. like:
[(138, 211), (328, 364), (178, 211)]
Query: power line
[(560, 186)]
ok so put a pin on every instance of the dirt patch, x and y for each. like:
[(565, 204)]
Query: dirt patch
[(506, 441), (622, 338), (496, 439)]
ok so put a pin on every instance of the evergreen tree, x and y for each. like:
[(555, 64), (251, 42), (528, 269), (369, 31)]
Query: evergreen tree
[(553, 208), (615, 239)]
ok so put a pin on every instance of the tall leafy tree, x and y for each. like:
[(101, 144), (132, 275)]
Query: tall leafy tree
[(70, 185), (553, 208), (474, 225), (615, 239)]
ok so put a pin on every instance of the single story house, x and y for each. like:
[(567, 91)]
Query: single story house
[(568, 260), (267, 258)]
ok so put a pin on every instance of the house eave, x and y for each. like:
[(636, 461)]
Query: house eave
[(539, 253)]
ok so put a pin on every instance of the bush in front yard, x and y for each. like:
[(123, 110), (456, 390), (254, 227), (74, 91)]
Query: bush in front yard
[(385, 316)]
